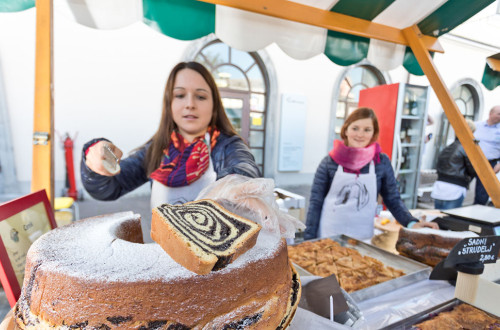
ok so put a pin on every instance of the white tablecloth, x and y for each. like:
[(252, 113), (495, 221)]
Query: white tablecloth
[(404, 302), (384, 310), (306, 320)]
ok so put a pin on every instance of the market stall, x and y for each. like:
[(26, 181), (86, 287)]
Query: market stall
[(388, 33), (340, 30)]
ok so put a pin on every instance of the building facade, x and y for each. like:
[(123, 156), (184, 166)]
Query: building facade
[(109, 83)]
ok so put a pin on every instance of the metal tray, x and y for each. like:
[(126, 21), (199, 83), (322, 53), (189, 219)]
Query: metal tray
[(414, 270), (409, 323)]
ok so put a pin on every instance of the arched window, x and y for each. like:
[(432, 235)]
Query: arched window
[(242, 83), (467, 99), (355, 79)]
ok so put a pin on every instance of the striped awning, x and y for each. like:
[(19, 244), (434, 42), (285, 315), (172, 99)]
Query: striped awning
[(250, 31), (346, 31), (491, 75)]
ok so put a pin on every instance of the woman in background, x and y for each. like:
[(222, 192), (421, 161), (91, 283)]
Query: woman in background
[(347, 182), (194, 146)]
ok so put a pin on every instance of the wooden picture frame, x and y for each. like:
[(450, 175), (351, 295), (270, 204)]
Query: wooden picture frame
[(22, 221)]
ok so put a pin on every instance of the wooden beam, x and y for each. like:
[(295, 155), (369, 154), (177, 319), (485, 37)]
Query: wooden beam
[(296, 12), (457, 121), (43, 119)]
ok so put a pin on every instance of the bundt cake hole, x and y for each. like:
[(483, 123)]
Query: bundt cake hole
[(129, 231)]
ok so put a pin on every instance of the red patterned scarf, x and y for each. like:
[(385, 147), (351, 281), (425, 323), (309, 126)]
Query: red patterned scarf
[(184, 162), (354, 159)]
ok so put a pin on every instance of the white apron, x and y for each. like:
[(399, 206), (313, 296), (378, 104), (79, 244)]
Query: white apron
[(161, 194), (350, 205)]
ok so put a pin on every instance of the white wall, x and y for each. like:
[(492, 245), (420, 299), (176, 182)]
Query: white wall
[(110, 83), (314, 78), (106, 83), (17, 58)]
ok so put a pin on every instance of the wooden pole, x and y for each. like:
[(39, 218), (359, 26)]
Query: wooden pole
[(457, 121), (43, 122)]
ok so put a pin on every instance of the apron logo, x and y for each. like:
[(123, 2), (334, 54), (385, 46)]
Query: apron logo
[(354, 190), (178, 201)]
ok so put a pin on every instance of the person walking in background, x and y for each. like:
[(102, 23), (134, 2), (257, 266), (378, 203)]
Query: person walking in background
[(194, 146), (349, 179), (488, 134), (455, 172)]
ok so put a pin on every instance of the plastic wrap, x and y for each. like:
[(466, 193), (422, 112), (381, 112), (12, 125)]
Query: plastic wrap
[(253, 199), (405, 302)]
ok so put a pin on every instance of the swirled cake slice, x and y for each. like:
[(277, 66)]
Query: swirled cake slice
[(202, 235)]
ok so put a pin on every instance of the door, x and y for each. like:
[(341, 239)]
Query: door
[(237, 106), (248, 124)]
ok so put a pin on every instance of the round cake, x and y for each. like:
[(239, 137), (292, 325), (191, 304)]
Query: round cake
[(97, 274)]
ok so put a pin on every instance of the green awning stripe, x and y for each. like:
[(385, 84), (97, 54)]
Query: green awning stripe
[(491, 78), (451, 14), (410, 63), (7, 6), (345, 49), (180, 19), (365, 9)]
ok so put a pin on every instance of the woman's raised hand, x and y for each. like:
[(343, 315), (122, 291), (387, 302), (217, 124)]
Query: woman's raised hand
[(103, 158)]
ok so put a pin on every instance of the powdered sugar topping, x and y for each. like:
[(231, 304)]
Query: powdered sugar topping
[(90, 249)]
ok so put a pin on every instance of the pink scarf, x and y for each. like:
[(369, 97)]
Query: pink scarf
[(354, 159)]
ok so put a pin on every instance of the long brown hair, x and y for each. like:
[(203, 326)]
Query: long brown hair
[(361, 113), (161, 139)]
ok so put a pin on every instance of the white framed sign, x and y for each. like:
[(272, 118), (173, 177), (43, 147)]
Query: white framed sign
[(292, 132)]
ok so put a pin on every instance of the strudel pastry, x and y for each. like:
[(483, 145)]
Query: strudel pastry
[(202, 236)]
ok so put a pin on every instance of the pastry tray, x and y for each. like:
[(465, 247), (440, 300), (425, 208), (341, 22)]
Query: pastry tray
[(414, 270), (410, 322)]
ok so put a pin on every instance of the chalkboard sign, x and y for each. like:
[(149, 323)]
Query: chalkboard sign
[(482, 249), (473, 251)]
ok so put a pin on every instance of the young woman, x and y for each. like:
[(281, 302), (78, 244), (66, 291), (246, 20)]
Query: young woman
[(195, 145), (348, 181)]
